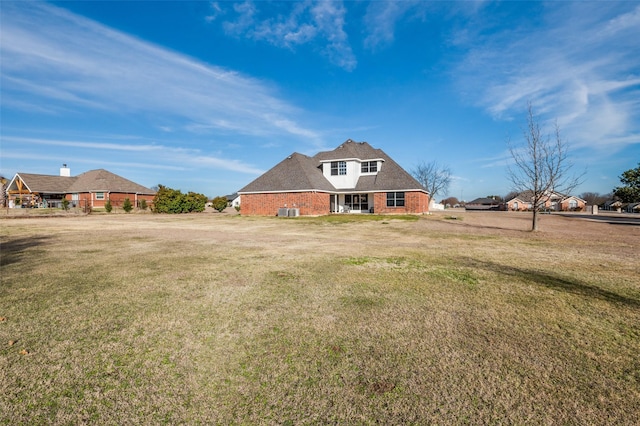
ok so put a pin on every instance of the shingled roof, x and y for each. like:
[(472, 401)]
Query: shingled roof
[(104, 180), (46, 184), (299, 172), (91, 181)]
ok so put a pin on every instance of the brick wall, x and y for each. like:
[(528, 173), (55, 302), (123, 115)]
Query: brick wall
[(117, 199), (564, 206), (414, 202), (318, 203), (309, 203)]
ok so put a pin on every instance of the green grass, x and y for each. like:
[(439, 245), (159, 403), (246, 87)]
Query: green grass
[(230, 320)]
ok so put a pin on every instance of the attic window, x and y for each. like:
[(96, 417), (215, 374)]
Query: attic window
[(338, 168), (369, 167)]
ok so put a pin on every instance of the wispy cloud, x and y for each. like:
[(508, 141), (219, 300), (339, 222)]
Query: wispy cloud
[(580, 67), (381, 20), (53, 57), (153, 154), (316, 23)]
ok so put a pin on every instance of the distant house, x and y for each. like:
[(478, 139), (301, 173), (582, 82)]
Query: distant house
[(92, 188), (612, 205), (233, 200), (353, 178), (554, 201), (633, 208), (572, 204), (483, 204), (518, 204)]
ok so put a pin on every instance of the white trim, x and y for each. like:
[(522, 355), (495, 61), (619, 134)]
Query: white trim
[(13, 180), (342, 191)]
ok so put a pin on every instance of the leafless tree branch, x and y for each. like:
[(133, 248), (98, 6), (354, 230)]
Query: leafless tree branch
[(541, 166), (433, 177)]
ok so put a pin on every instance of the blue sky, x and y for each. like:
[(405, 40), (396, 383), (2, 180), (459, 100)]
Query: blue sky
[(205, 96)]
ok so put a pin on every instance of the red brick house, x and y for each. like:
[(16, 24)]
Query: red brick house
[(551, 201), (89, 189), (353, 178)]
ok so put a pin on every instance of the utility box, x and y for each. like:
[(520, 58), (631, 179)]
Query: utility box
[(283, 212), (294, 212)]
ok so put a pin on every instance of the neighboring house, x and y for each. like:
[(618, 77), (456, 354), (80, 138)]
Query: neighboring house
[(483, 204), (612, 205), (633, 208), (572, 204), (550, 201), (233, 200), (619, 206), (354, 177), (517, 205), (89, 189)]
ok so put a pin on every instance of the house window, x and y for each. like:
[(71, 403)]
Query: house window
[(99, 195), (338, 168), (395, 199), (573, 204), (369, 167)]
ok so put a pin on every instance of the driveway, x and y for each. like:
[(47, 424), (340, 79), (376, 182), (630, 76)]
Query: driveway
[(608, 217)]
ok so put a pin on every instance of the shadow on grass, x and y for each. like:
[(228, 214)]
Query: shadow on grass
[(14, 251), (554, 281)]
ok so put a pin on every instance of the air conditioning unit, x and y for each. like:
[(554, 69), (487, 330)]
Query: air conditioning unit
[(283, 212), (294, 212)]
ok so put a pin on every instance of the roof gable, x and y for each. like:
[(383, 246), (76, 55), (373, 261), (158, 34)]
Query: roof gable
[(391, 177), (104, 180), (46, 184)]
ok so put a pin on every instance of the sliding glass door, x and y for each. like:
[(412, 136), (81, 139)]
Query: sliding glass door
[(356, 202)]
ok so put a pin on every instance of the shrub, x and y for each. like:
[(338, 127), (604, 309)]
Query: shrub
[(65, 204), (194, 202), (142, 204), (127, 206), (169, 200), (107, 206), (220, 203)]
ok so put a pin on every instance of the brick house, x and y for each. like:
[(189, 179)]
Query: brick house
[(551, 201), (89, 189), (353, 178)]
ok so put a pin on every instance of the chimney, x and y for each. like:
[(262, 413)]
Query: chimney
[(65, 171)]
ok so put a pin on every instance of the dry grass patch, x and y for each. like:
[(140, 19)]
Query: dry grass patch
[(233, 320)]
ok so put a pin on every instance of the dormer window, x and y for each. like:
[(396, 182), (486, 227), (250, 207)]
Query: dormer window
[(369, 167), (338, 168)]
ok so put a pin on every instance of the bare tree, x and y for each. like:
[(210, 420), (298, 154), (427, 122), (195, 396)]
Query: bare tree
[(433, 177), (451, 201), (541, 166), (595, 198)]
